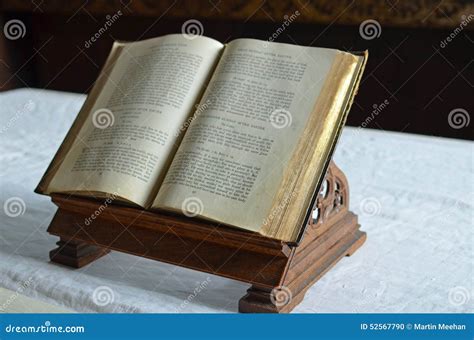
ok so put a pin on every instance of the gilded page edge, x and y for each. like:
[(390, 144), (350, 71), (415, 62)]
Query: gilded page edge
[(306, 166), (351, 95)]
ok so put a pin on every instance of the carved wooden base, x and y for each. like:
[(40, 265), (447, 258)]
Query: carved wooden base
[(280, 273), (284, 298), (75, 254)]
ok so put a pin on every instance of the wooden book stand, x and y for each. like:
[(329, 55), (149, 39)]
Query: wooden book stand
[(280, 273)]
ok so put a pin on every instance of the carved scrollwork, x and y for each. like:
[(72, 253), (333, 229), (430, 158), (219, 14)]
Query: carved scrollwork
[(333, 196)]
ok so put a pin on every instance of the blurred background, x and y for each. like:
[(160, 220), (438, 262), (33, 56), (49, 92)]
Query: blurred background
[(419, 78)]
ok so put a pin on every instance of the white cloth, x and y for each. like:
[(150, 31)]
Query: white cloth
[(414, 196), (15, 302)]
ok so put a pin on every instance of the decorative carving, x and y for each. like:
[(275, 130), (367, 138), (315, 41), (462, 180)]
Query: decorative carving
[(333, 197), (332, 234), (280, 273)]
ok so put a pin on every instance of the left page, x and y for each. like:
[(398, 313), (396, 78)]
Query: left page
[(125, 135)]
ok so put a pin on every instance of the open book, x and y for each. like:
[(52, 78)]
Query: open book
[(240, 134)]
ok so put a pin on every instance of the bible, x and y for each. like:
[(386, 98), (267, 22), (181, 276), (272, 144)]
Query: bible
[(239, 134)]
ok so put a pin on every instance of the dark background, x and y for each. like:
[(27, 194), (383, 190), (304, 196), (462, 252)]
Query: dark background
[(422, 81)]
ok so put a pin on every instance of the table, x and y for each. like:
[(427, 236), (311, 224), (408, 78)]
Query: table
[(414, 196)]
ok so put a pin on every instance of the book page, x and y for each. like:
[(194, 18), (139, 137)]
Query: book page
[(129, 135), (233, 157)]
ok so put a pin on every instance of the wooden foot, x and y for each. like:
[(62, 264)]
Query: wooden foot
[(75, 254), (333, 234), (264, 300), (284, 298), (280, 273), (259, 300)]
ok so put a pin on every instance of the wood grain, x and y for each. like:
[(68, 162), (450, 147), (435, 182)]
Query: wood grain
[(271, 266)]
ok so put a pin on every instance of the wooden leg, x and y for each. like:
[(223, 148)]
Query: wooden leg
[(264, 300), (257, 300), (300, 277), (75, 254), (332, 233)]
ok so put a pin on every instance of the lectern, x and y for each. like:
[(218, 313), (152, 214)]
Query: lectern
[(279, 273)]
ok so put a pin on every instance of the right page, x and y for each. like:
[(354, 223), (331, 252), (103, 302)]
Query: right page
[(241, 158)]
